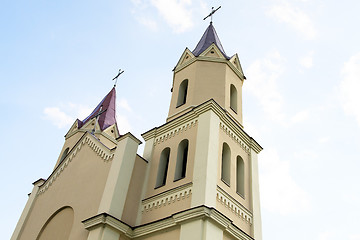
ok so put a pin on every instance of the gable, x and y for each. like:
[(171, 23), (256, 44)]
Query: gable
[(186, 58), (212, 51)]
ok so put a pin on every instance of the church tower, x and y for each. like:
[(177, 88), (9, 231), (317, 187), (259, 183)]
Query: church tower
[(201, 161), (197, 178)]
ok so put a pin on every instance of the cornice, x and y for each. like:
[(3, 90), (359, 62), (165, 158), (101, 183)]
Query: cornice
[(201, 212), (211, 59), (189, 119), (234, 206), (100, 149), (166, 198), (235, 137), (129, 135)]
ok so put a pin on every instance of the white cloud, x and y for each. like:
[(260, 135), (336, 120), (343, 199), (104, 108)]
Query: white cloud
[(294, 17), (350, 87), (327, 236), (323, 139), (176, 13), (123, 124), (300, 117), (123, 103), (149, 23), (354, 237), (279, 192), (307, 60), (57, 117), (264, 74), (66, 114)]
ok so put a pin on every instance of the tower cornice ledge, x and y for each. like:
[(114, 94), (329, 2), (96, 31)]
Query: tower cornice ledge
[(211, 59), (201, 212), (189, 119)]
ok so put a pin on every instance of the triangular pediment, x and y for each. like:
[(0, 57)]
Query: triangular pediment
[(235, 61), (186, 57), (212, 51), (73, 128), (89, 125), (112, 131)]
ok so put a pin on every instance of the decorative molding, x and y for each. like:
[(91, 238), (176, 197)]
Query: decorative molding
[(100, 149), (233, 205), (211, 105), (201, 212), (234, 137), (166, 198), (175, 131)]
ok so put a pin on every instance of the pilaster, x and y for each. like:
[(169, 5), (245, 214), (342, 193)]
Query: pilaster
[(206, 160), (148, 151), (255, 193), (27, 209), (117, 184)]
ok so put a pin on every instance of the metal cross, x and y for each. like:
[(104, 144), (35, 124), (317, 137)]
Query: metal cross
[(116, 77), (212, 13), (96, 116)]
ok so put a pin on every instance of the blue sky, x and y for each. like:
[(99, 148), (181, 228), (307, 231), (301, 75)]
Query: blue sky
[(300, 100)]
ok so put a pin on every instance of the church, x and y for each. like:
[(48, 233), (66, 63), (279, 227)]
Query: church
[(196, 179)]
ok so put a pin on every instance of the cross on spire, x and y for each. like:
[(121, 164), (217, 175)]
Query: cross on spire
[(117, 76), (212, 13)]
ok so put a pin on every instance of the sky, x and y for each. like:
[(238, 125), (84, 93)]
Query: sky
[(300, 100)]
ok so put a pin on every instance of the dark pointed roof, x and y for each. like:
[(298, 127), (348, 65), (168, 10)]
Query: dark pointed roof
[(107, 105), (210, 36)]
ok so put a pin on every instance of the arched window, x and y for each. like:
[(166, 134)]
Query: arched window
[(58, 226), (233, 98), (182, 93), (63, 156), (240, 176), (182, 156), (163, 168), (225, 164)]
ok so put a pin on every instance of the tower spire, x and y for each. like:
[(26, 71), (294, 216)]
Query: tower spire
[(209, 37), (104, 113)]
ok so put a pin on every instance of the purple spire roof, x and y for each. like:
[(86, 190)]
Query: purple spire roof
[(107, 106), (210, 36)]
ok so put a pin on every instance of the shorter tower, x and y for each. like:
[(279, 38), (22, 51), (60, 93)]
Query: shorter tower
[(197, 178)]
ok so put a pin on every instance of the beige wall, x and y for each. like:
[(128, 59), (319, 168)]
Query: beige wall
[(172, 143), (134, 193), (59, 225), (245, 201), (167, 234), (80, 185), (235, 151), (207, 80)]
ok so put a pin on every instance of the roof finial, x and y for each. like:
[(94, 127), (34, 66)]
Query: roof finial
[(116, 77), (211, 14)]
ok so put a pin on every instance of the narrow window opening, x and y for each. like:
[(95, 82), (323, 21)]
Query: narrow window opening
[(182, 156), (240, 176), (225, 164), (182, 93), (163, 168), (233, 98), (63, 156)]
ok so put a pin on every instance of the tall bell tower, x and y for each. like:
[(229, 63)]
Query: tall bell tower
[(201, 160)]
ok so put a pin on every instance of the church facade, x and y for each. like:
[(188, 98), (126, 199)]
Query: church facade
[(197, 177)]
